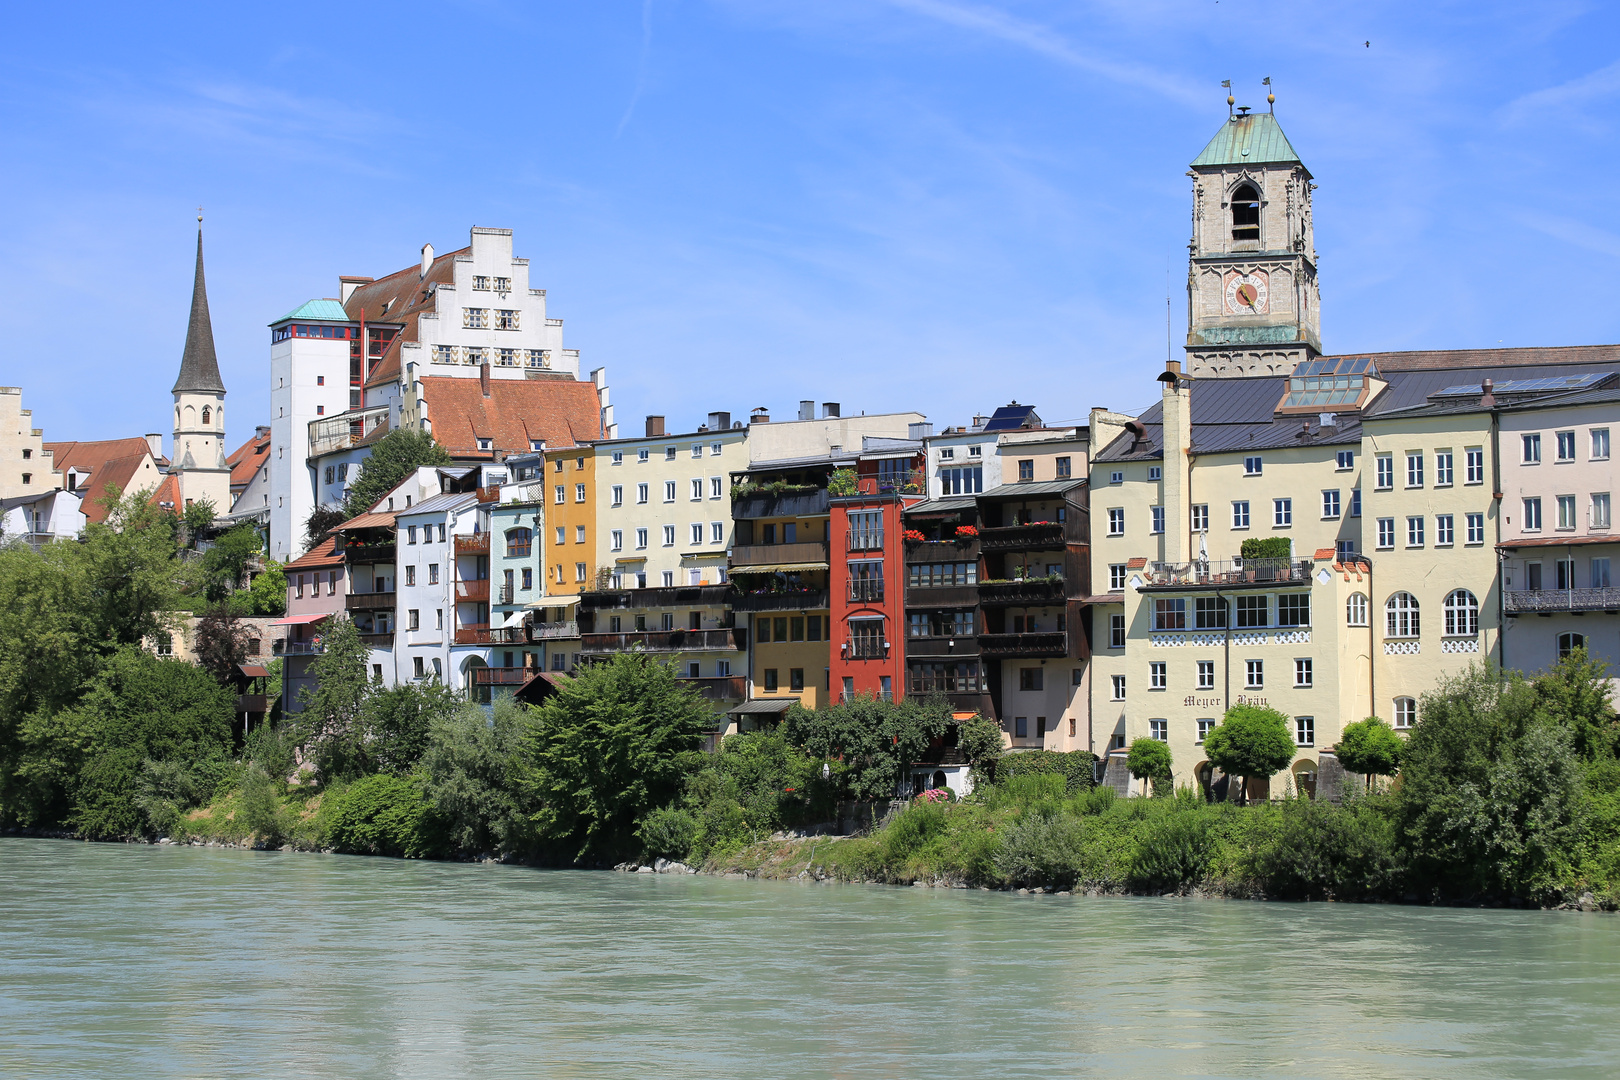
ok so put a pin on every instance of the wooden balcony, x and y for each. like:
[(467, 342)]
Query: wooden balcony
[(942, 596), (378, 641), (942, 551), (751, 506), (1034, 537), (720, 687), (553, 631), (965, 646), (1032, 591), (359, 554), (1051, 645), (369, 601), (476, 591), (808, 600), (662, 641), (476, 544), (675, 596), (474, 634), (501, 676), (745, 555)]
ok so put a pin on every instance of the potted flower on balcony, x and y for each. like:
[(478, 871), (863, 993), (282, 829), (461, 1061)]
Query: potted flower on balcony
[(913, 536), (967, 532), (842, 482)]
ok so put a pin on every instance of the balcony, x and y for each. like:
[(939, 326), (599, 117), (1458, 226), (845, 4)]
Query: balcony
[(360, 554), (967, 645), (1539, 601), (674, 596), (380, 640), (662, 641), (369, 601), (476, 544), (476, 591), (802, 600), (501, 676), (1052, 645), (812, 555), (932, 551), (282, 647), (553, 631), (348, 429), (865, 648), (754, 505), (943, 596), (506, 593), (720, 687), (1034, 537), (1233, 573), (1031, 591), (474, 634), (866, 590), (863, 541)]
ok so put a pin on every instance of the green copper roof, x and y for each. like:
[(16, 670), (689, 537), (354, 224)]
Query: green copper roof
[(323, 310), (1247, 140)]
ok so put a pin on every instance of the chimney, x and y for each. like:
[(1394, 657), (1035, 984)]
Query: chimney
[(483, 377), (761, 415), (829, 410), (807, 410), (262, 431), (655, 426), (347, 285), (919, 431), (979, 420), (1103, 427), (154, 442), (1177, 406), (427, 260), (719, 421), (1327, 419), (1487, 398)]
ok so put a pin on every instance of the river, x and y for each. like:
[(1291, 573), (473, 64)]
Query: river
[(133, 962)]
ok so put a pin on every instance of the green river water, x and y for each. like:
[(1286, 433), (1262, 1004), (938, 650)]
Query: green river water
[(132, 962)]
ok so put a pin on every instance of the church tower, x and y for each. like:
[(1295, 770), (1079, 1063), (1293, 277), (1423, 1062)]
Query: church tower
[(199, 408), (1251, 272)]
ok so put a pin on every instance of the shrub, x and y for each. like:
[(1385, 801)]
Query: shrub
[(1251, 740), (1077, 767), (1269, 547), (1310, 850), (1041, 849), (910, 831), (1370, 748), (979, 740), (668, 832), (378, 815), (260, 810), (1096, 800), (1149, 759), (1173, 851)]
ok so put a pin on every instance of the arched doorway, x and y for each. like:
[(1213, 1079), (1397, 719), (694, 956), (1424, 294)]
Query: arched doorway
[(475, 689)]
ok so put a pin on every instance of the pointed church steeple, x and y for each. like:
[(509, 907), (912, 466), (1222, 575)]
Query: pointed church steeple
[(199, 367)]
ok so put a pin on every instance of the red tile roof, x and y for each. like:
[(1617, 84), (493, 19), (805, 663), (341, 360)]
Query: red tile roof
[(125, 463), (1135, 564), (322, 554), (248, 459), (1324, 554), (401, 297), (168, 493), (563, 412)]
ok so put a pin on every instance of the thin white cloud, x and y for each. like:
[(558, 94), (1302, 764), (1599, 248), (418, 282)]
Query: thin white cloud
[(1048, 43), (1594, 86), (1581, 234), (641, 66)]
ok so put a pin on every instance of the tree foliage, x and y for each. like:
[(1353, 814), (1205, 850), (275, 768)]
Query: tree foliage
[(226, 563), (1250, 741), (471, 774), (330, 730), (876, 740), (1149, 759), (321, 521), (197, 516), (1370, 748), (396, 456), (980, 742), (220, 641)]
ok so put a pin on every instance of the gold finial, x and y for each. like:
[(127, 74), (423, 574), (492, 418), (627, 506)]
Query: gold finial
[(1271, 99), (199, 215)]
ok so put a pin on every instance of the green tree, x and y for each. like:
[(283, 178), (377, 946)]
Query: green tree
[(396, 456), (877, 740), (269, 590), (1576, 696), (330, 729), (220, 641), (224, 564), (1250, 741), (1370, 748), (399, 722), (980, 742), (1149, 759), (198, 516), (130, 571), (322, 520), (612, 744), (470, 774)]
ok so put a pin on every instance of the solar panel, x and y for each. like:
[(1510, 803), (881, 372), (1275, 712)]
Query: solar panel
[(1529, 386), (1334, 365)]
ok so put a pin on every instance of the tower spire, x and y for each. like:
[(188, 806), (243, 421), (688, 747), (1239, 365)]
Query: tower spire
[(199, 367)]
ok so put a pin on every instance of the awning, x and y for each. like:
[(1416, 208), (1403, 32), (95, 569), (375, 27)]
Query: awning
[(631, 559), (704, 555), (298, 620), (764, 706), (778, 568), (552, 601), (254, 671)]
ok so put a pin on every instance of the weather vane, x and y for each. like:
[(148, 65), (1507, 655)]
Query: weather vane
[(1230, 100), (199, 215), (1271, 99)]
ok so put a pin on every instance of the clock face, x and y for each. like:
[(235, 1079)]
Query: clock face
[(1246, 293)]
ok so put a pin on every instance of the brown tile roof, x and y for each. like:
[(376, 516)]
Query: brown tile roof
[(248, 459), (168, 493), (121, 462), (401, 297), (323, 554), (1446, 359), (1136, 564), (1556, 542), (563, 412), (1324, 554)]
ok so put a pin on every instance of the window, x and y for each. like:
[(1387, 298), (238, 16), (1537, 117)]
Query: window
[(669, 491), (414, 619), (1568, 643), (618, 457), (1600, 510), (1532, 515), (1305, 727), (1063, 468), (1159, 729), (1474, 465), (1386, 532), (1246, 213), (697, 488), (770, 680), (1347, 460), (1355, 502), (669, 536), (1414, 469), (1155, 473), (1254, 674), (697, 450), (562, 535), (669, 453), (1355, 610), (1204, 728), (1566, 445), (716, 489), (528, 577), (1118, 682), (1330, 503), (1386, 471), (1303, 675), (1462, 614), (717, 532), (1116, 478), (643, 455), (1026, 469), (1405, 712), (618, 494), (964, 481), (1401, 616), (715, 448), (1157, 677), (579, 534), (1344, 550), (1294, 609), (641, 493), (697, 532), (1600, 444), (560, 494), (1199, 518), (641, 539), (410, 534), (1251, 612), (433, 573), (1282, 513), (1566, 511), (1252, 465), (1170, 614), (796, 679), (1442, 468), (1158, 519), (330, 471), (1414, 531), (1116, 577), (1206, 674), (1031, 678), (475, 318), (1116, 631), (579, 493), (1531, 449), (1240, 514), (1476, 528), (410, 576), (927, 575), (1209, 613), (480, 283), (1116, 521), (947, 453)]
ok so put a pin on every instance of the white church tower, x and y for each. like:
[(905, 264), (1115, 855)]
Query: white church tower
[(199, 408)]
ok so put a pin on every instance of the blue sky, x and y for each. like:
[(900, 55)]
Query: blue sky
[(928, 204)]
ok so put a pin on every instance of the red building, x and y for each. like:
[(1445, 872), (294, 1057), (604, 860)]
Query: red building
[(866, 580)]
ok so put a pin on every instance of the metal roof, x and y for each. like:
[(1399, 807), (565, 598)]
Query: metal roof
[(199, 367), (1248, 140), (1013, 417), (1045, 487), (765, 705), (940, 506), (319, 310), (438, 504)]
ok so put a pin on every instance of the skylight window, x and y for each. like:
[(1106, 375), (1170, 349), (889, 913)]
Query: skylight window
[(1331, 384)]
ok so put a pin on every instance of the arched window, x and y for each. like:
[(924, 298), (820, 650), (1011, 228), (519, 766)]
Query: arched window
[(1462, 614), (1405, 712), (1245, 213), (519, 542), (1355, 610), (1401, 616), (207, 412), (1568, 643)]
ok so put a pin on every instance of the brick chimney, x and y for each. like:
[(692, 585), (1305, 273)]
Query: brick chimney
[(483, 377), (655, 426)]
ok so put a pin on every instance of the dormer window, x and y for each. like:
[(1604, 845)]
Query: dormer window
[(1245, 213), (486, 444)]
